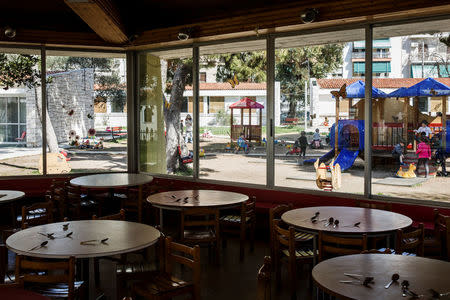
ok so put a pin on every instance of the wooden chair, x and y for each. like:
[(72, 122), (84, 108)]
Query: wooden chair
[(163, 284), (438, 245), (57, 195), (331, 245), (55, 279), (37, 214), (201, 226), (264, 291), (410, 243), (232, 224), (129, 199), (286, 250), (120, 216), (375, 205)]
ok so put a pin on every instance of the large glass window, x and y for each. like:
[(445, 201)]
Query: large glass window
[(319, 129), (165, 130), (20, 113), (233, 108), (410, 128), (86, 112)]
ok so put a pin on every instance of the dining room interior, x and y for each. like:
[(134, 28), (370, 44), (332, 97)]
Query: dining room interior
[(223, 149)]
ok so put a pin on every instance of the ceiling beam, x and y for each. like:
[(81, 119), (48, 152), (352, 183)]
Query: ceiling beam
[(103, 17)]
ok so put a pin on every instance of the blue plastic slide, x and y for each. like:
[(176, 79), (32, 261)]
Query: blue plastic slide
[(346, 158), (329, 155)]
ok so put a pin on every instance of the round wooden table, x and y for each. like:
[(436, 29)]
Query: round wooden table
[(9, 197), (185, 199), (422, 273), (115, 180), (123, 237), (20, 294), (372, 221)]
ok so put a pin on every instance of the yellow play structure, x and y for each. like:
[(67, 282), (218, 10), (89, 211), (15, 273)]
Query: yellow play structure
[(327, 177)]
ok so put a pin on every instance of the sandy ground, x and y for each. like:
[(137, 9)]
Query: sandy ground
[(290, 172), (219, 165)]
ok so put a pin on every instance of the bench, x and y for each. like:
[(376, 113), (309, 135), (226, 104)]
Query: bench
[(116, 132), (291, 121)]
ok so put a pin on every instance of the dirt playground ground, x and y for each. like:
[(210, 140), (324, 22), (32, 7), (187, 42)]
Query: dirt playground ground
[(219, 165)]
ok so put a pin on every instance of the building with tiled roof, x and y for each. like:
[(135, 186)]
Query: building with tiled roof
[(216, 97)]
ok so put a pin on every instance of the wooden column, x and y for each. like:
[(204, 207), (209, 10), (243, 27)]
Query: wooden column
[(250, 123), (260, 125), (444, 123), (405, 119), (231, 124), (336, 129), (350, 100)]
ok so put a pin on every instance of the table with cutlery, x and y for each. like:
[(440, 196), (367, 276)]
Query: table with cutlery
[(83, 239), (383, 276), (185, 199), (346, 221)]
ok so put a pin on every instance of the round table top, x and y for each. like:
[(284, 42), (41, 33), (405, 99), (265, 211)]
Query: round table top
[(122, 237), (371, 220), (196, 198), (9, 196), (421, 273), (111, 180), (20, 294)]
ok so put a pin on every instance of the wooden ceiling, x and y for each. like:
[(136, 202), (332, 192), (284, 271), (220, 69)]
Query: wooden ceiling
[(138, 23)]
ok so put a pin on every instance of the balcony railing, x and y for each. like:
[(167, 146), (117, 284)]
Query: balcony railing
[(375, 55)]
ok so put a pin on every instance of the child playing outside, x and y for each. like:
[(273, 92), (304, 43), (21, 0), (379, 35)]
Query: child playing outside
[(424, 129), (316, 135), (398, 151), (303, 143), (424, 152)]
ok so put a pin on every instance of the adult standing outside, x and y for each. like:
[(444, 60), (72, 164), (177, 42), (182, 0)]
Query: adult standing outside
[(188, 125)]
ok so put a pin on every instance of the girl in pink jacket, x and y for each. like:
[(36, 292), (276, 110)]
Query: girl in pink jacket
[(424, 152)]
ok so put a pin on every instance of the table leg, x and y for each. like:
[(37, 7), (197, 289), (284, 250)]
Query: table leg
[(13, 215), (161, 218), (140, 204), (314, 250), (92, 291)]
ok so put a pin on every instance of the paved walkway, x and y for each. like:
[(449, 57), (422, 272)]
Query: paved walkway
[(13, 152)]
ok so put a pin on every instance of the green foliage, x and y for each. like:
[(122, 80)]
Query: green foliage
[(19, 70), (172, 66), (296, 65), (247, 66), (222, 118)]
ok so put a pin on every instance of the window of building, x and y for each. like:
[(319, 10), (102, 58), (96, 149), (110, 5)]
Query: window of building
[(202, 76), (87, 112), (308, 134), (20, 115), (233, 130), (397, 170), (165, 133)]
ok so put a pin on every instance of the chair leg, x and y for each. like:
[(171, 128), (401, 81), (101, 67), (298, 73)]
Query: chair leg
[(242, 242), (292, 279), (252, 237)]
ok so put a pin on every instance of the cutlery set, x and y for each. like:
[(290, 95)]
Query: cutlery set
[(329, 222)]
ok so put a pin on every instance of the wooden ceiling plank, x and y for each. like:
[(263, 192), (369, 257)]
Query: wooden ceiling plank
[(103, 17)]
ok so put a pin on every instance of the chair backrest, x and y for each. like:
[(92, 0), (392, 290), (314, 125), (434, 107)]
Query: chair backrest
[(331, 245), (200, 218), (377, 251), (42, 272), (57, 194), (283, 239), (37, 214), (411, 242), (264, 275), (376, 205), (275, 214), (120, 216), (248, 209), (184, 255), (442, 232)]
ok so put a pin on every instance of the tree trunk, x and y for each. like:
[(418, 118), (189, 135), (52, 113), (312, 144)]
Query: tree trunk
[(52, 141), (172, 111), (292, 109)]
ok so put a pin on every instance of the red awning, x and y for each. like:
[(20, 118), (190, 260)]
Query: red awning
[(246, 103)]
